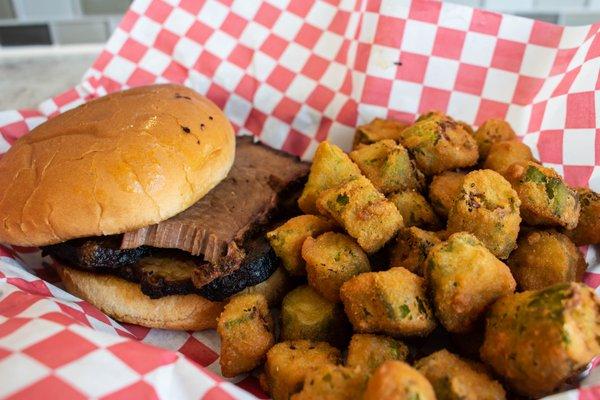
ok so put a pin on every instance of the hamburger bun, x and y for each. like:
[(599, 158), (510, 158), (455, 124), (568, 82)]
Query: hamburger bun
[(125, 302), (115, 164)]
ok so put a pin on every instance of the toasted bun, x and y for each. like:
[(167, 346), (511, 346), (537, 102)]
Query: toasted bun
[(115, 164), (125, 302)]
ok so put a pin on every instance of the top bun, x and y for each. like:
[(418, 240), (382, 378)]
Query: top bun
[(118, 163)]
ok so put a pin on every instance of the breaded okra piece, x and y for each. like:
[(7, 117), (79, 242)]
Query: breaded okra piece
[(545, 198), (444, 190), (364, 213), (504, 154), (377, 130), (415, 210), (396, 380), (538, 339), (286, 240), (454, 378), (305, 314), (465, 278), (331, 259), (388, 167), (392, 302), (587, 230), (545, 258), (330, 168), (411, 249), (370, 351), (490, 132), (289, 362), (438, 143), (438, 114), (246, 330), (332, 382), (487, 207)]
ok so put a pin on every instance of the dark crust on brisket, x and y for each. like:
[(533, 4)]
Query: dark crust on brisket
[(258, 265), (241, 202), (95, 253)]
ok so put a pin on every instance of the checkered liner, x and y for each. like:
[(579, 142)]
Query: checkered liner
[(292, 73)]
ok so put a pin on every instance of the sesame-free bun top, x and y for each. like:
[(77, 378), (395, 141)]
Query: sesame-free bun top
[(115, 164)]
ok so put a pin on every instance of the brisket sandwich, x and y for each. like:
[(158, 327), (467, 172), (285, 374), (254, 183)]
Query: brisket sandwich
[(150, 208)]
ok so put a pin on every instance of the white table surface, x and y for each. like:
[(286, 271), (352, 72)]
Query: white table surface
[(30, 75)]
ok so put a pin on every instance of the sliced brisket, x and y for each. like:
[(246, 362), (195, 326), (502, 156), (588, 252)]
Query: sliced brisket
[(217, 224)]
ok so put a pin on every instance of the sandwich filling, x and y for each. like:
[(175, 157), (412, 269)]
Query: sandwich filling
[(215, 248)]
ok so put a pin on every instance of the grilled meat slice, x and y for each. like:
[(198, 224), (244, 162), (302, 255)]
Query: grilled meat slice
[(258, 264), (226, 215), (96, 253)]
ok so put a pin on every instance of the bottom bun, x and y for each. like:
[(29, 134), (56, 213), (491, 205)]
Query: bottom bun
[(125, 302)]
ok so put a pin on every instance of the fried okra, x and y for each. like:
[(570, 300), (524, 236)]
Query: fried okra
[(465, 278), (411, 249), (330, 168), (364, 213), (492, 131), (376, 130), (415, 210), (287, 240), (454, 378), (332, 259), (587, 230), (388, 166), (305, 314), (396, 380), (246, 331), (537, 339), (443, 191), (289, 362), (468, 128), (438, 143), (430, 114), (487, 207), (504, 154), (545, 258), (545, 198), (332, 382), (370, 351), (438, 114), (392, 302)]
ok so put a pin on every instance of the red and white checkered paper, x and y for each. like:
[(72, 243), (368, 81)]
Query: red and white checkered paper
[(292, 73)]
